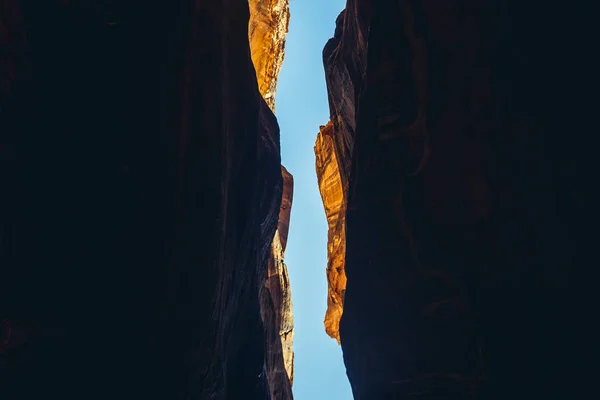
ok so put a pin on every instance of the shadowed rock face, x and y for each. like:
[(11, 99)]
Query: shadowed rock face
[(461, 197), (276, 303), (141, 187)]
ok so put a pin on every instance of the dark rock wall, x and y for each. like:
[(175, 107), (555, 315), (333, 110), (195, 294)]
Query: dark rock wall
[(141, 186), (276, 304), (454, 125)]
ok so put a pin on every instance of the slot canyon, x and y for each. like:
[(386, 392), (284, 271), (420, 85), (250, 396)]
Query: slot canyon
[(145, 210)]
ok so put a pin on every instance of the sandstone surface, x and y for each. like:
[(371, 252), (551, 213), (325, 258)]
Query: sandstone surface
[(269, 22), (334, 199)]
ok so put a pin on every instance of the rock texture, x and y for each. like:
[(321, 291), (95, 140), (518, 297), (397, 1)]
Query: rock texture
[(452, 156), (269, 22), (276, 302), (141, 188), (334, 197), (268, 26)]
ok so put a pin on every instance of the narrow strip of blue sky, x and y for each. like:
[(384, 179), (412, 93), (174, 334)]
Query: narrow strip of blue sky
[(301, 104)]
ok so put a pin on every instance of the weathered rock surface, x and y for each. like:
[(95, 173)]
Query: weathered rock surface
[(141, 188), (453, 129), (269, 22), (268, 26), (276, 304), (334, 199)]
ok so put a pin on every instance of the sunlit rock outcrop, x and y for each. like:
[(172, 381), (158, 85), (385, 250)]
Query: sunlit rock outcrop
[(455, 131), (269, 21), (333, 150), (334, 200)]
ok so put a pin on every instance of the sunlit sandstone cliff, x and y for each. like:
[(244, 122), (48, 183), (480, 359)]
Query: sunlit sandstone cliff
[(455, 135), (334, 200), (141, 190), (269, 20), (333, 150)]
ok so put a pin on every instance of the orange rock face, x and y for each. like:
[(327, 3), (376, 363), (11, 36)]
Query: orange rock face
[(269, 21), (334, 200), (267, 28)]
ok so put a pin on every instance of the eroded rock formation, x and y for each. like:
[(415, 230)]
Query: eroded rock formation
[(464, 197), (334, 200), (276, 302), (269, 22), (141, 188)]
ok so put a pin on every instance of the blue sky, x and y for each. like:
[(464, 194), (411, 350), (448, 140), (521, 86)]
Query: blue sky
[(301, 106)]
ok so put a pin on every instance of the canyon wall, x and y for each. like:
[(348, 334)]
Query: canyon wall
[(334, 200), (269, 22), (276, 304), (451, 179), (267, 28), (141, 190)]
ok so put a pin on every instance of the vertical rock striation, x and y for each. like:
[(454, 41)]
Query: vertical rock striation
[(268, 26), (276, 303), (461, 196), (334, 199), (269, 22), (333, 150), (141, 189)]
